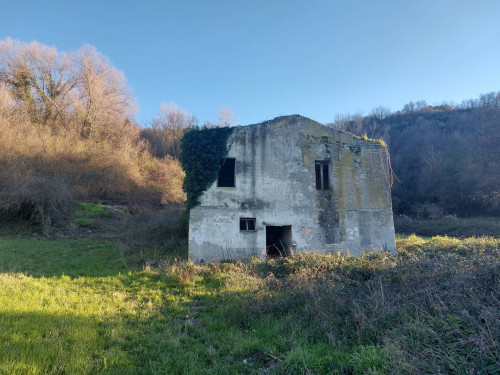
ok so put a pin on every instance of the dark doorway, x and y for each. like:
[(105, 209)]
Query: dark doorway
[(278, 240)]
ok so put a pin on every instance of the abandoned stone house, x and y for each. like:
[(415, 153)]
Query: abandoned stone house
[(292, 184)]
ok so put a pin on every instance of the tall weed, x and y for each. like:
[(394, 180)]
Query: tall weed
[(432, 308), (41, 200)]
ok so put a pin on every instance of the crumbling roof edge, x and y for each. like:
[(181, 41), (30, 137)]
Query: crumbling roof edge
[(297, 117)]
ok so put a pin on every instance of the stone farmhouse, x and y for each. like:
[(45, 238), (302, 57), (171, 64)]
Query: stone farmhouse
[(294, 185)]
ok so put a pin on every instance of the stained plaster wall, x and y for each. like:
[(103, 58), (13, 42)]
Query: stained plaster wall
[(275, 183)]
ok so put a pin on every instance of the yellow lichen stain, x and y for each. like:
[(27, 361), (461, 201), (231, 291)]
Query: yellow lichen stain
[(376, 190), (357, 193), (341, 200), (340, 186), (307, 155), (313, 134), (341, 225), (365, 137), (279, 123), (315, 130), (347, 158)]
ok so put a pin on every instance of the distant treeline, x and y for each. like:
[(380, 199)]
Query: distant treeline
[(446, 158)]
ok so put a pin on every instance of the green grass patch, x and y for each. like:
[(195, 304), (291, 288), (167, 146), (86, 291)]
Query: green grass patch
[(86, 307), (91, 209), (86, 214), (83, 221), (47, 258)]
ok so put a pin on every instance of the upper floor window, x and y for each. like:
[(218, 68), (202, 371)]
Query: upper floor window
[(226, 173), (322, 175)]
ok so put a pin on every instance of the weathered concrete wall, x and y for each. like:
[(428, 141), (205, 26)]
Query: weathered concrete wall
[(275, 183)]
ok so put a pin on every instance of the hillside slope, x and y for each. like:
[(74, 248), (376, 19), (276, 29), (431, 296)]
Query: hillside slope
[(446, 159)]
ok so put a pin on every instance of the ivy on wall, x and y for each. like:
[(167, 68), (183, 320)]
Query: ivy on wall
[(202, 152)]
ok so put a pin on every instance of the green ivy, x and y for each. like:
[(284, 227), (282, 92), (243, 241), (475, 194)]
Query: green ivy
[(202, 151)]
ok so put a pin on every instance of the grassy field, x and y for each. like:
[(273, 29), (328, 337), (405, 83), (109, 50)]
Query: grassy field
[(85, 306), (449, 225)]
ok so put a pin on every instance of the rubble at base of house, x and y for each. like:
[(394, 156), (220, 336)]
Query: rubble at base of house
[(292, 184)]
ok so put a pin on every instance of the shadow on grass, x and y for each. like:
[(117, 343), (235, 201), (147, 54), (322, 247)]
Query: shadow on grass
[(38, 256), (142, 323), (36, 343), (82, 257)]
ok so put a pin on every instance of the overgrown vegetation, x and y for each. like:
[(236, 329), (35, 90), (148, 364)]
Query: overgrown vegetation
[(154, 234), (85, 307), (167, 129), (67, 133), (202, 152), (146, 235), (40, 201)]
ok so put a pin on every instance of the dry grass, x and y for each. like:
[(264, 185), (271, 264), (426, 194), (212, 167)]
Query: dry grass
[(434, 308), (90, 170)]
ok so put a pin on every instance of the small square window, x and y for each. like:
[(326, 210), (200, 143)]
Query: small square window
[(247, 224), (226, 173), (322, 169)]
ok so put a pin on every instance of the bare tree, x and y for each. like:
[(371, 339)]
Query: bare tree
[(380, 112), (105, 106), (82, 93), (409, 108), (433, 160), (167, 129), (208, 125), (170, 117), (7, 103), (226, 117), (39, 79), (350, 122), (491, 99), (357, 123), (469, 104), (421, 105), (341, 121)]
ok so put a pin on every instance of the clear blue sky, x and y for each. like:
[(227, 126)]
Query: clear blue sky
[(264, 59)]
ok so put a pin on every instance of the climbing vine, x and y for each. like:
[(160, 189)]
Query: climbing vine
[(202, 151)]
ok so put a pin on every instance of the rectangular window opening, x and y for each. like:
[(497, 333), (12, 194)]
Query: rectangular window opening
[(322, 169), (247, 224), (226, 173)]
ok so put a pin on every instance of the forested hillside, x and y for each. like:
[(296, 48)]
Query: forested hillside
[(446, 158), (68, 132)]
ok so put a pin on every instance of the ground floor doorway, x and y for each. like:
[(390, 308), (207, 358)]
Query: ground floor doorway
[(278, 240)]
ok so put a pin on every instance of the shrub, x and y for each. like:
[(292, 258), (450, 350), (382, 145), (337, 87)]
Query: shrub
[(154, 234), (43, 201)]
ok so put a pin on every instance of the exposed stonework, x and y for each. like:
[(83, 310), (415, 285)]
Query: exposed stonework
[(275, 183)]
